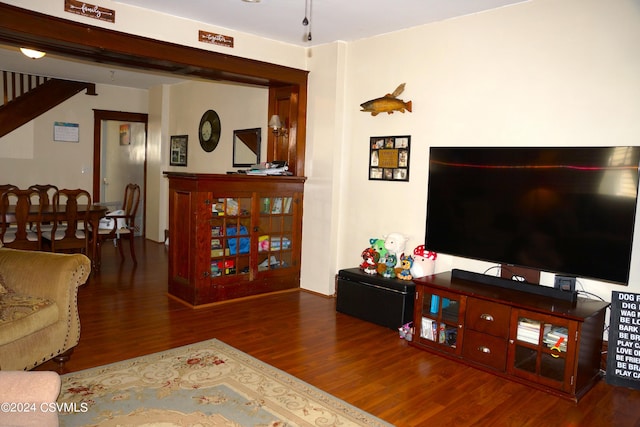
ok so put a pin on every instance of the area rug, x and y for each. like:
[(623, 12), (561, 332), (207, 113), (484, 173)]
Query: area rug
[(205, 384)]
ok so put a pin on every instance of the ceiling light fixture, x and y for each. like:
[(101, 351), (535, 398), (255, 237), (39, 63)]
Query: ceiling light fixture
[(251, 1), (307, 17), (32, 53)]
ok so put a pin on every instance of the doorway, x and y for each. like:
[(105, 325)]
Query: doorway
[(120, 158)]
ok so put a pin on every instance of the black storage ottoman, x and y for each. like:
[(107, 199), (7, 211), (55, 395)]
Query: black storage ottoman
[(385, 302)]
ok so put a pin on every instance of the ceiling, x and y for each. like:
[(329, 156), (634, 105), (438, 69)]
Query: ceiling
[(330, 20)]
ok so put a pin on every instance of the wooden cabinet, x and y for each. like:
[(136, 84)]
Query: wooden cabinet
[(548, 344), (232, 236)]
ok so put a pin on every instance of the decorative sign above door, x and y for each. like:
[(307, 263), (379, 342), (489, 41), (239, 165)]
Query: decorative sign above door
[(213, 38), (90, 10)]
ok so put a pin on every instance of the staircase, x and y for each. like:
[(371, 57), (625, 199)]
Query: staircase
[(26, 97)]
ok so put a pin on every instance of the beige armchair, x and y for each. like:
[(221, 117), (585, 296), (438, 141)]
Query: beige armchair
[(38, 313)]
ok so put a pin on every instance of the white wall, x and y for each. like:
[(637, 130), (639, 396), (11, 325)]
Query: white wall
[(29, 155), (545, 72), (239, 107)]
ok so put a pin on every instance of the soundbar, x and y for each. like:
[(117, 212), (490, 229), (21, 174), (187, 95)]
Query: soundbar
[(545, 291)]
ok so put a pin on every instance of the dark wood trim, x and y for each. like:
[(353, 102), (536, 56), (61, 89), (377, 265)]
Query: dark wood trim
[(20, 27), (98, 117)]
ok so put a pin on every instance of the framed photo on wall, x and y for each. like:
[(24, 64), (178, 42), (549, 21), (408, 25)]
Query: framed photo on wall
[(178, 150), (389, 158)]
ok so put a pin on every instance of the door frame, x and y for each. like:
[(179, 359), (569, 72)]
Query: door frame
[(98, 117)]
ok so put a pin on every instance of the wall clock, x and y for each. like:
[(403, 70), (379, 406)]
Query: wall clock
[(209, 130)]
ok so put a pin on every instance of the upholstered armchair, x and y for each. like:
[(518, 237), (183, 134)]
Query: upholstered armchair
[(38, 307)]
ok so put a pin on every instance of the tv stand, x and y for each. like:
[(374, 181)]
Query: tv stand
[(545, 291), (545, 343)]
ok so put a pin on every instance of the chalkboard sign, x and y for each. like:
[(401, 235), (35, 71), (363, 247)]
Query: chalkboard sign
[(623, 357)]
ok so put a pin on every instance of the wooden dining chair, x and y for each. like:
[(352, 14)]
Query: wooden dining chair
[(70, 231), (121, 224), (46, 192), (6, 226), (17, 203)]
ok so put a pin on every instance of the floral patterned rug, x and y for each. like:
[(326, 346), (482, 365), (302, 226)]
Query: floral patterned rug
[(205, 384)]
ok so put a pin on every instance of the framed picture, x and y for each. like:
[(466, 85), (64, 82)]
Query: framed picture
[(125, 134), (389, 158), (178, 150)]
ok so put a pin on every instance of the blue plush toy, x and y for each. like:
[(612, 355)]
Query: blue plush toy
[(405, 264), (390, 263)]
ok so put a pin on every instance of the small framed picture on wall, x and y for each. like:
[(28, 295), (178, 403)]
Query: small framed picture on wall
[(178, 150), (389, 158)]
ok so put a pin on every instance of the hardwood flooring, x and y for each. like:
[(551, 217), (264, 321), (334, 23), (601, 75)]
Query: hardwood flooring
[(125, 312)]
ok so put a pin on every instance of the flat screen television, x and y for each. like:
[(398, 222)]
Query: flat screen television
[(565, 210)]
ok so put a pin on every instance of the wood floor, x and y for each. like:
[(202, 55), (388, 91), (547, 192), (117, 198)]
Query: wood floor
[(125, 312)]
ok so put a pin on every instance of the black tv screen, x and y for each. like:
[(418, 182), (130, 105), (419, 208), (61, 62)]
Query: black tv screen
[(568, 211)]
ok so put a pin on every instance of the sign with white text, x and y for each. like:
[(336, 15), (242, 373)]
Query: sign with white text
[(90, 10), (213, 38), (623, 356)]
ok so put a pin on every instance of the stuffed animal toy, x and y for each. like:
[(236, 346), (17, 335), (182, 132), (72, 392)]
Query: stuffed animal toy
[(423, 262), (405, 265), (389, 266), (370, 263), (378, 246), (395, 243)]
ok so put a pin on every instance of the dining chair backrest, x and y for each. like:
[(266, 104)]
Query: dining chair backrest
[(74, 234), (46, 191), (3, 223), (17, 203), (130, 204)]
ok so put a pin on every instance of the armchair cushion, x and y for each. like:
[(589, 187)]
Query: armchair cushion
[(22, 315), (45, 323)]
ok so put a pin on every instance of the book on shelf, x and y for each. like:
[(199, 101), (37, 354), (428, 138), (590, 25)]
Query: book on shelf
[(428, 329), (556, 337), (528, 331)]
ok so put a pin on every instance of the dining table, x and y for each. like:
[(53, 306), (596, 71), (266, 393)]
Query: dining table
[(95, 213)]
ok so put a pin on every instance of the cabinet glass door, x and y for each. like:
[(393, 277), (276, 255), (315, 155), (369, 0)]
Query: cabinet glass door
[(230, 236), (275, 233), (542, 347), (441, 321)]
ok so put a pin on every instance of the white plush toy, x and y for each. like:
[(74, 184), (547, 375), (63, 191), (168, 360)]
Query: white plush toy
[(424, 262), (395, 243)]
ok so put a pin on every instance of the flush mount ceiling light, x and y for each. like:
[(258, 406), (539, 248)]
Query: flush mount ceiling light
[(32, 53), (251, 1)]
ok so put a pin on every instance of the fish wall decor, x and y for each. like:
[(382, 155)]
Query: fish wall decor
[(387, 104)]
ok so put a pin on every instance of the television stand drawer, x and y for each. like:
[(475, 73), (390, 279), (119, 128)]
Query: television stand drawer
[(488, 317), (485, 349)]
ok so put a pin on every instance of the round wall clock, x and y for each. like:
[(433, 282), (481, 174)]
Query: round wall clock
[(209, 130)]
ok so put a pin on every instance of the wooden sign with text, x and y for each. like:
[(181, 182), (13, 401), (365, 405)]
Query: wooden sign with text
[(213, 38), (623, 353), (90, 10)]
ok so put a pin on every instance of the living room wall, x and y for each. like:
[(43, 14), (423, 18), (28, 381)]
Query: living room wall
[(29, 155), (540, 73)]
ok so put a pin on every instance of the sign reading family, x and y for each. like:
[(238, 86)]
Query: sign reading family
[(213, 38), (90, 10)]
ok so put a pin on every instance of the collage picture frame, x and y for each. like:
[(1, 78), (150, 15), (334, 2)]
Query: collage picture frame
[(389, 158)]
